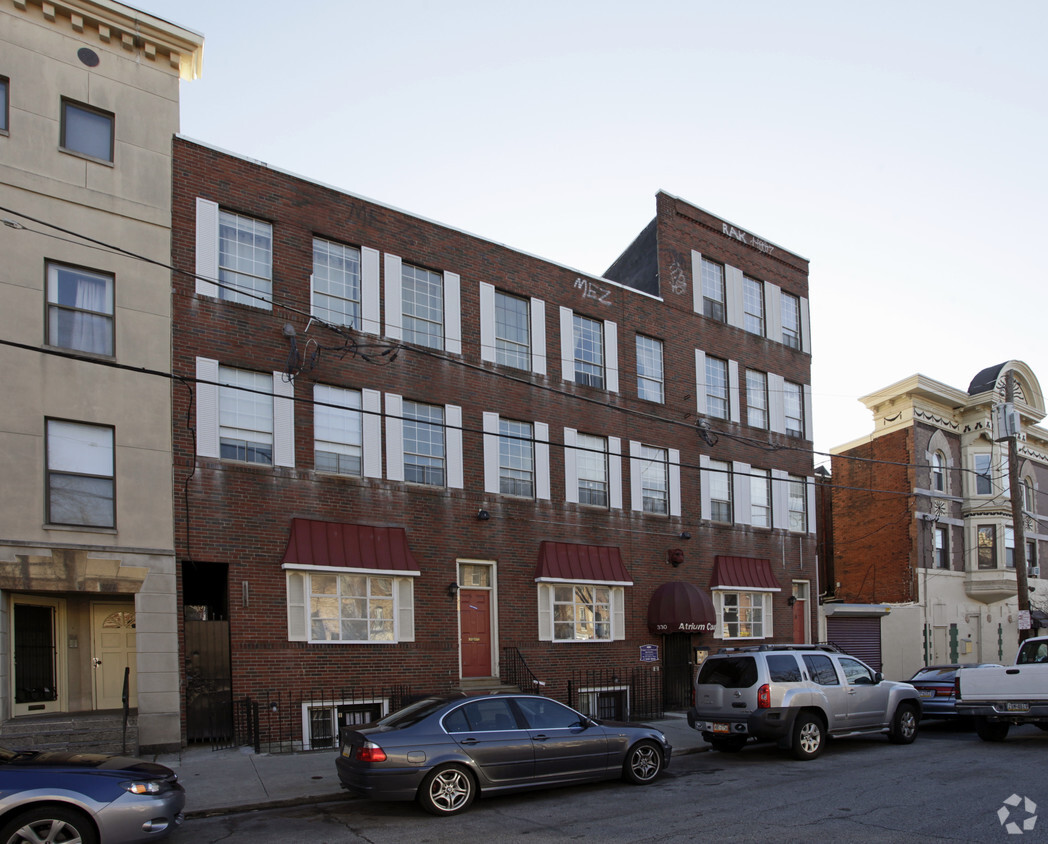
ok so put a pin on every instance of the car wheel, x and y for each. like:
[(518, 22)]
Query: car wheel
[(447, 790), (991, 730), (809, 736), (53, 824), (728, 744), (904, 725), (643, 763)]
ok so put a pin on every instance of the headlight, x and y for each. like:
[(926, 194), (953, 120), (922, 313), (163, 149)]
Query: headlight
[(150, 787)]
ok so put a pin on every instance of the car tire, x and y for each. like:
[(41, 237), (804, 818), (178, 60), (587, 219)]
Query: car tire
[(991, 730), (904, 724), (643, 763), (447, 790), (809, 737), (50, 823), (728, 744)]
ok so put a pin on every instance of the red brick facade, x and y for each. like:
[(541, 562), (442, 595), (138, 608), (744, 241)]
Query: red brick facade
[(239, 515)]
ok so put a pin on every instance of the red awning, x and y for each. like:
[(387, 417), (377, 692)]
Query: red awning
[(581, 563), (743, 573), (335, 544), (679, 607)]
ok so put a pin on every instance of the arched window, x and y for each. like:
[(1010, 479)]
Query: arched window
[(1028, 496), (939, 472)]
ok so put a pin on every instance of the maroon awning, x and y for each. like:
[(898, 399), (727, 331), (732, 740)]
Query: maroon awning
[(743, 573), (336, 544), (679, 607), (586, 563)]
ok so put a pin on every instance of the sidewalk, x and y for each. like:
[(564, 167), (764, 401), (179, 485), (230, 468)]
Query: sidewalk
[(236, 780)]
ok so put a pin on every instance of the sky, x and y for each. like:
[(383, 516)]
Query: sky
[(897, 145)]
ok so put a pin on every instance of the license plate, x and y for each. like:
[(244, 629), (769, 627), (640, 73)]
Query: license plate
[(720, 727), (926, 692), (1017, 707)]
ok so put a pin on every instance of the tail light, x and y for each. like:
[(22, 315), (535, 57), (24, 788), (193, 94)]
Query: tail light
[(957, 687), (370, 752), (764, 697)]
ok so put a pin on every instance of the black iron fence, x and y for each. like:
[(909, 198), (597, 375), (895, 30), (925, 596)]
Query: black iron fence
[(617, 694), (515, 672)]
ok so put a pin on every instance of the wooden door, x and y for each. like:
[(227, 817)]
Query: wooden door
[(799, 619), (114, 651), (475, 624)]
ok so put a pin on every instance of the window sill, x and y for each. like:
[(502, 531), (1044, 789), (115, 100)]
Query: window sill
[(86, 157), (112, 531), (80, 352)]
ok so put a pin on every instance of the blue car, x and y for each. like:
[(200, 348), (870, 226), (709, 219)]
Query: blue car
[(85, 798), (934, 684), (445, 751)]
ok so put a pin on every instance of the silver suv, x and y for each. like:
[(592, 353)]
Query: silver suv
[(797, 695)]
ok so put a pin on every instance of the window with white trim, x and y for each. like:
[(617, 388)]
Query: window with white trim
[(581, 613), (422, 297), (719, 477), (986, 544), (983, 479), (245, 260), (592, 468), (245, 415), (756, 399), (1028, 496), (713, 290), (338, 438), (753, 306), (336, 283), (1009, 547), (654, 479), (81, 480), (760, 497), (650, 375), (942, 548), (791, 320), (322, 721), (797, 503), (516, 458), (349, 606), (87, 131), (939, 472), (589, 351), (717, 388), (742, 615), (512, 331), (424, 446), (79, 309), (793, 407)]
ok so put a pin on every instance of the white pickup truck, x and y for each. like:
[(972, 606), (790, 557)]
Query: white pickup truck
[(999, 697)]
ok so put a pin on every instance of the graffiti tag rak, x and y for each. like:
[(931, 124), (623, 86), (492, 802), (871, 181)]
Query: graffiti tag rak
[(592, 290), (748, 239)]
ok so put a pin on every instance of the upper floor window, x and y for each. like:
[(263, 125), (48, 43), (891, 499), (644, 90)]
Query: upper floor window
[(649, 369), (79, 309), (516, 458), (791, 320), (753, 305), (1028, 496), (512, 334), (422, 295), (337, 430), (983, 480), (942, 548), (245, 401), (336, 283), (81, 483), (793, 405), (245, 260), (5, 84), (87, 131), (938, 472), (760, 498), (655, 486), (713, 290), (756, 398), (424, 447), (589, 351), (720, 491), (1009, 546), (592, 467), (986, 543), (797, 504), (717, 387)]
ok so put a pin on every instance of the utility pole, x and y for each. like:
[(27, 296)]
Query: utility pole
[(1022, 585)]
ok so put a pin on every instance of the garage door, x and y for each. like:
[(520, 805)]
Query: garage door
[(859, 636)]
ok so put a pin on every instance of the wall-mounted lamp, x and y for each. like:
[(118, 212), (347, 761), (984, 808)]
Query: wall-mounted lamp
[(273, 707), (685, 535), (483, 515), (791, 600), (453, 588)]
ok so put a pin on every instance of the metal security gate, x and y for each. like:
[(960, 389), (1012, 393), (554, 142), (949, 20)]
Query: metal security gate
[(209, 691), (859, 636), (677, 670)]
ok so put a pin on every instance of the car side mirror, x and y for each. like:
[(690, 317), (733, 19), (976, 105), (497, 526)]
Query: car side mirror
[(877, 677)]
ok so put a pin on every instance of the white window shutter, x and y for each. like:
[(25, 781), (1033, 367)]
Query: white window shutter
[(207, 439), (491, 453), (636, 488), (370, 296), (394, 437), (810, 487), (487, 322), (705, 502), (733, 391), (773, 311), (571, 472), (618, 613), (615, 472), (780, 491), (297, 620), (545, 612), (567, 344), (741, 493), (806, 390), (206, 247), (394, 301), (733, 295), (283, 421), (675, 494), (405, 609), (538, 336), (371, 404), (453, 445), (696, 281), (611, 355), (776, 403), (543, 489), (805, 328), (452, 314), (700, 382)]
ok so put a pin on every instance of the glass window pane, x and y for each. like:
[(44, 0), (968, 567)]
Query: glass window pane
[(589, 351), (87, 132), (512, 331)]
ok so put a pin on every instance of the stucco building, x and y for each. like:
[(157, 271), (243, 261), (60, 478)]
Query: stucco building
[(89, 93)]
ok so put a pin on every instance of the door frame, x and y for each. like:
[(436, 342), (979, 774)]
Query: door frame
[(61, 703), (492, 608)]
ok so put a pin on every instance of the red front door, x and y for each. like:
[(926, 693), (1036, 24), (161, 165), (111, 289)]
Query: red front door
[(475, 612), (798, 622)]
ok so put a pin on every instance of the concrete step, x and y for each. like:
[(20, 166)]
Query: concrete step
[(79, 732)]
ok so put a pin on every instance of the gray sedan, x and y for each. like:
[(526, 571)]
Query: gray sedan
[(445, 751)]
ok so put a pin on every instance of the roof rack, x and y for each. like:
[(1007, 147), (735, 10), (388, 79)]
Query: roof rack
[(828, 647)]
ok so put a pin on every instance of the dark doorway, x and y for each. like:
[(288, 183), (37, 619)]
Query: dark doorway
[(35, 654), (209, 688), (676, 670)]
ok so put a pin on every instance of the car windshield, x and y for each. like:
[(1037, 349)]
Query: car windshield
[(414, 713)]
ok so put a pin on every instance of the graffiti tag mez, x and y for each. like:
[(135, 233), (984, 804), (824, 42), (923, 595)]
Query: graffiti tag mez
[(592, 290)]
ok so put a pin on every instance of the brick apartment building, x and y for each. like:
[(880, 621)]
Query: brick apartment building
[(410, 459), (922, 565)]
